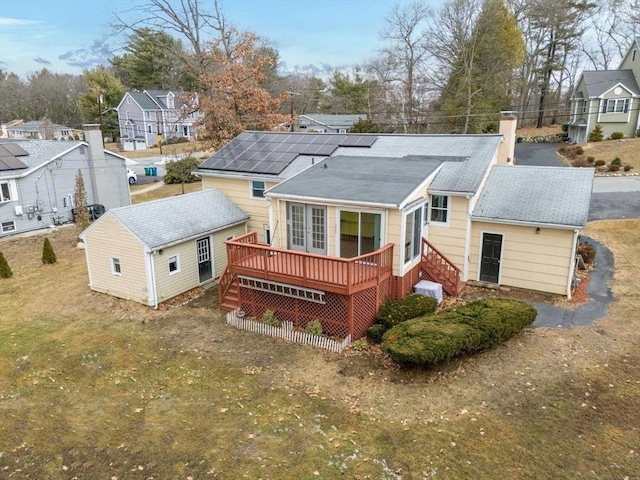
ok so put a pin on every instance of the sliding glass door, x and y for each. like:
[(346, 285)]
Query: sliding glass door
[(360, 233)]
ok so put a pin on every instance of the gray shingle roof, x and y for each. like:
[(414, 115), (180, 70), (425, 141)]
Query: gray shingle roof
[(144, 100), (170, 220), (40, 152), (36, 126), (463, 178), (381, 180), (597, 82), (536, 195)]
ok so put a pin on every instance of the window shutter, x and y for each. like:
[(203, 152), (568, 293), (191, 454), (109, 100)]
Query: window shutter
[(604, 107), (626, 105)]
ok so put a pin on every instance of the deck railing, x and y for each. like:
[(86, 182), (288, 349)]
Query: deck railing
[(441, 268), (246, 256)]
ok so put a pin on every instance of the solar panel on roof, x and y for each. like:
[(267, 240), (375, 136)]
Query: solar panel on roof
[(15, 149)]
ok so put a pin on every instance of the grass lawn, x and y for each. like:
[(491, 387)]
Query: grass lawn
[(142, 193), (167, 150), (94, 387)]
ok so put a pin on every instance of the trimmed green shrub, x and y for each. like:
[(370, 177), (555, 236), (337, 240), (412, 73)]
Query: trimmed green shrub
[(617, 135), (591, 159), (579, 150), (5, 269), (48, 255), (627, 168), (421, 341), (180, 171), (600, 163), (412, 306), (314, 327), (596, 134), (616, 161), (375, 333), (269, 318), (457, 331)]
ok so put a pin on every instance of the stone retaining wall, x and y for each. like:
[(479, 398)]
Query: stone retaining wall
[(552, 138)]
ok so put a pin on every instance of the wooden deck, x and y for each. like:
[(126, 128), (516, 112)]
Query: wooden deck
[(332, 274)]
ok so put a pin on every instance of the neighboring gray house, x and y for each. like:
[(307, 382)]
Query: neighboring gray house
[(37, 180), (327, 123), (39, 130), (153, 251), (610, 98), (150, 116)]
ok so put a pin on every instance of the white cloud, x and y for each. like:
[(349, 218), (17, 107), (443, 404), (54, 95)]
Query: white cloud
[(17, 22)]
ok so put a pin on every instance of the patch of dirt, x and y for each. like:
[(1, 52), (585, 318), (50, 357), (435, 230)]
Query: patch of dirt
[(539, 132)]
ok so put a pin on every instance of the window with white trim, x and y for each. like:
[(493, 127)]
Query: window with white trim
[(174, 265), (413, 234), (8, 226), (584, 106), (115, 266), (616, 105), (439, 208), (5, 192), (129, 100), (170, 102), (257, 189)]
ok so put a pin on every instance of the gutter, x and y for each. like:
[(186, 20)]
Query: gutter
[(526, 224), (155, 248), (572, 261), (331, 201), (239, 176)]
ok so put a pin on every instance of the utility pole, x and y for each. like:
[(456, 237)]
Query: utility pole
[(291, 94), (100, 117)]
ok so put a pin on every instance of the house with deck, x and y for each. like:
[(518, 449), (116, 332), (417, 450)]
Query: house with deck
[(340, 223), (609, 98)]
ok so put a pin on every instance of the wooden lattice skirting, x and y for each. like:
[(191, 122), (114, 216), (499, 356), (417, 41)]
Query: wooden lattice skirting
[(286, 332)]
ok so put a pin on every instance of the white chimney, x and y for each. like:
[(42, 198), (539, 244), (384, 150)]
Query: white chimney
[(508, 124)]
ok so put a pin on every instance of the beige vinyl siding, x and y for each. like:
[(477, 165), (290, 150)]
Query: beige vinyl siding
[(450, 239), (393, 233), (168, 286), (220, 249), (238, 190), (529, 260), (110, 239)]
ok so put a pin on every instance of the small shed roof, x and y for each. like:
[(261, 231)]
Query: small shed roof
[(536, 195), (335, 120), (176, 219), (380, 180)]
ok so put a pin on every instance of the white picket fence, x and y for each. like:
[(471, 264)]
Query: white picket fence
[(287, 333)]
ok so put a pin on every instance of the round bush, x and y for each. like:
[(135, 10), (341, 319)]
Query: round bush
[(617, 135), (591, 159), (627, 168), (314, 327), (614, 168), (580, 162), (600, 163), (579, 150), (393, 312), (616, 161)]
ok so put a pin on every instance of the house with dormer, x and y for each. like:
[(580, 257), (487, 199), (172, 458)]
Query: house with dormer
[(152, 116), (609, 98)]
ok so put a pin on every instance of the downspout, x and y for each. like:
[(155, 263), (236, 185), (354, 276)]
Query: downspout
[(86, 257), (270, 222), (467, 242), (572, 262), (152, 281)]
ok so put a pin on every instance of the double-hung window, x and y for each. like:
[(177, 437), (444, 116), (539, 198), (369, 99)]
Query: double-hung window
[(257, 189), (616, 105), (115, 266), (439, 208)]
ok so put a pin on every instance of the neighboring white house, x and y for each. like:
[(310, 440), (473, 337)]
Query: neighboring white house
[(609, 98), (328, 123), (153, 251), (150, 116), (38, 178)]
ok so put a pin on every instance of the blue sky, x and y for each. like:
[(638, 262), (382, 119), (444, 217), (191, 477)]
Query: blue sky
[(67, 36)]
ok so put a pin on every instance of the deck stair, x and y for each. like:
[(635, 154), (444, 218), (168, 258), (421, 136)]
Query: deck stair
[(440, 269)]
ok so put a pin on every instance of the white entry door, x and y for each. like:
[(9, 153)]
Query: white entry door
[(307, 228)]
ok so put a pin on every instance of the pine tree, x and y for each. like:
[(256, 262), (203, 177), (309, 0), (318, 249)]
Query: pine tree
[(5, 269), (48, 255), (81, 215), (596, 134)]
